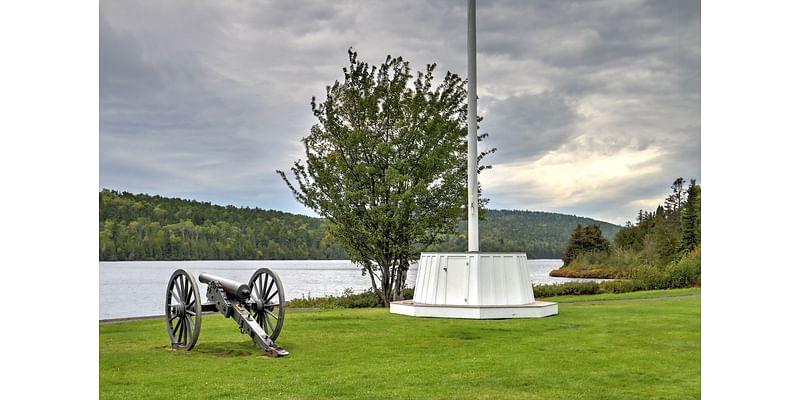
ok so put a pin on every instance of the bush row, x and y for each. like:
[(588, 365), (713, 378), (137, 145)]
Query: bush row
[(565, 289), (350, 299)]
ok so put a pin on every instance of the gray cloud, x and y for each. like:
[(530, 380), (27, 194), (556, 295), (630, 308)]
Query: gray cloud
[(206, 99), (524, 126)]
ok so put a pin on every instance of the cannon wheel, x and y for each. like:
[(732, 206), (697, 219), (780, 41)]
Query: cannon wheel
[(183, 310), (267, 289)]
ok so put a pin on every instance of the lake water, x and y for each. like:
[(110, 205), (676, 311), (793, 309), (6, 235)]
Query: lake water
[(137, 288)]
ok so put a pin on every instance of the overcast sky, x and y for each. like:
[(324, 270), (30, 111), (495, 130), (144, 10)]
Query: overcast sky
[(594, 106)]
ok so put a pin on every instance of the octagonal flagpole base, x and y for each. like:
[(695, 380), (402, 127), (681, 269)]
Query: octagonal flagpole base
[(474, 285), (537, 309)]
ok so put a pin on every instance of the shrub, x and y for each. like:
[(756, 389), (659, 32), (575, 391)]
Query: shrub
[(584, 273), (615, 263), (651, 277), (686, 271), (564, 289), (311, 302), (349, 299), (361, 300), (622, 286)]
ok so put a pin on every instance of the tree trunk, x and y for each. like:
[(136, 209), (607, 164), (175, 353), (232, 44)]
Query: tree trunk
[(386, 286), (380, 292), (400, 280)]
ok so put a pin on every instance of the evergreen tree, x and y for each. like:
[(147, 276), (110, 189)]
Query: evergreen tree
[(673, 206), (630, 237), (690, 219), (585, 240)]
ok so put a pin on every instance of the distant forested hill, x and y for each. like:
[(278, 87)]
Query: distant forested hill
[(539, 234), (145, 227)]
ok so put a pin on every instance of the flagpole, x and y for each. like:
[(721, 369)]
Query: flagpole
[(472, 130)]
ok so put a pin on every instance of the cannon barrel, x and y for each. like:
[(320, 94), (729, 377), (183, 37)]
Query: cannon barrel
[(240, 290)]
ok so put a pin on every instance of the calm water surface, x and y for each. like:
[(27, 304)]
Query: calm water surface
[(137, 288)]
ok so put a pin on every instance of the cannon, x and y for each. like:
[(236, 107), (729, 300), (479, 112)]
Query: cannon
[(257, 307)]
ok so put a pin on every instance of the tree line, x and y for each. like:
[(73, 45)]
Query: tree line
[(151, 227), (536, 233), (662, 235), (658, 238), (145, 227)]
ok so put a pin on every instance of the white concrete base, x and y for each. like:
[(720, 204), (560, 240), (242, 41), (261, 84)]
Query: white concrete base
[(473, 285), (473, 279), (537, 309)]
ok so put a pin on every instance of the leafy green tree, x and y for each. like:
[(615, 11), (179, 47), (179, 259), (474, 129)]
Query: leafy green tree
[(585, 240), (386, 165), (630, 236)]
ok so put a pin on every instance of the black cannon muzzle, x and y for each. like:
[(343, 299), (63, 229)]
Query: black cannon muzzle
[(233, 288)]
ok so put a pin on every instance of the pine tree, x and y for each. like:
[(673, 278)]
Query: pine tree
[(675, 201), (690, 219), (585, 240)]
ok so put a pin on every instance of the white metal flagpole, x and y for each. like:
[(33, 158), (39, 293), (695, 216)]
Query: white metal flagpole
[(503, 288), (472, 133)]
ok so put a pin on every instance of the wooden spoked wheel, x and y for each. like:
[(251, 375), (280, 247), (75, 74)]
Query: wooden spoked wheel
[(183, 310), (270, 305)]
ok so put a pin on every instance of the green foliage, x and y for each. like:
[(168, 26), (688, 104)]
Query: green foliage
[(386, 165), (564, 289), (144, 227), (616, 259), (657, 240), (349, 299), (623, 286), (686, 271), (538, 234), (690, 219), (682, 273), (629, 238), (585, 240), (628, 295)]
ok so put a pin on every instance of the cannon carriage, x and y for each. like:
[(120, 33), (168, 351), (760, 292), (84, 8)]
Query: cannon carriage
[(258, 307)]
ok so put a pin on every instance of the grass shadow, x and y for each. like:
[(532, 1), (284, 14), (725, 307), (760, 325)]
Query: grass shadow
[(228, 349)]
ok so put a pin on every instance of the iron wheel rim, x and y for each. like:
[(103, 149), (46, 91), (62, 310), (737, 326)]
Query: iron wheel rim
[(267, 289), (182, 310)]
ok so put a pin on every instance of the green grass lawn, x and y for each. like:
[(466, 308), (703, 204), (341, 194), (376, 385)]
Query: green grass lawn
[(606, 350), (642, 294)]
